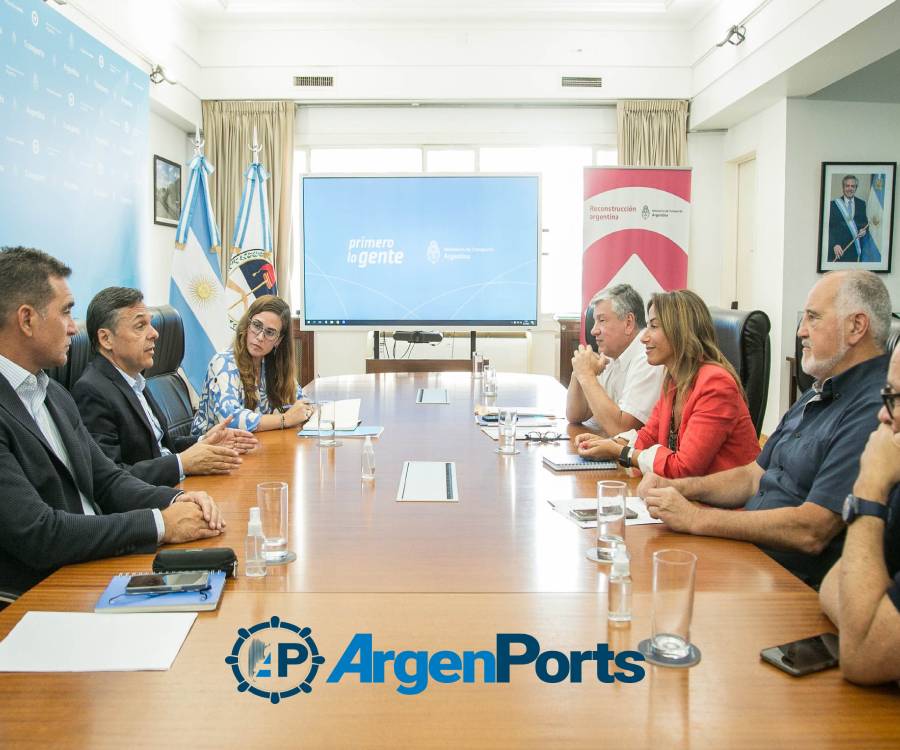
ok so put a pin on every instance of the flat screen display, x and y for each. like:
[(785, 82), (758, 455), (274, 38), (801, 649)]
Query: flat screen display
[(423, 250)]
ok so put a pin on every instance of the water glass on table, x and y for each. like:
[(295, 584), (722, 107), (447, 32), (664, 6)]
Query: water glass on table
[(326, 424), (477, 365), (506, 431), (673, 603), (489, 383), (610, 520), (272, 499)]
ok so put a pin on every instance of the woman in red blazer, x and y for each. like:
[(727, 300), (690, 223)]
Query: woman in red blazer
[(701, 423)]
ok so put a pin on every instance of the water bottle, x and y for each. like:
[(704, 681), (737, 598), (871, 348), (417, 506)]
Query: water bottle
[(368, 459), (619, 609), (254, 561)]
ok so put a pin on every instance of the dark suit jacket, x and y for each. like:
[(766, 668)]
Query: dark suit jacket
[(114, 417), (839, 234), (42, 523)]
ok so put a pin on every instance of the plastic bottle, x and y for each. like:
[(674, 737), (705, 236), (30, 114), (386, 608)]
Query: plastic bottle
[(619, 609), (368, 459), (254, 561)]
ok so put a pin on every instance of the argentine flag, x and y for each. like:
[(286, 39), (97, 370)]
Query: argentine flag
[(251, 270), (196, 289), (875, 213)]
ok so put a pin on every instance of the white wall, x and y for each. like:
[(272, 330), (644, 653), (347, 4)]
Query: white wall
[(706, 247), (763, 135)]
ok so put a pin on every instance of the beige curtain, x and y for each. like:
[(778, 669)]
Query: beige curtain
[(228, 132), (652, 132)]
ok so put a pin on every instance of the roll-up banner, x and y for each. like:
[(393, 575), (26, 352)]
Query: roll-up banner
[(636, 225)]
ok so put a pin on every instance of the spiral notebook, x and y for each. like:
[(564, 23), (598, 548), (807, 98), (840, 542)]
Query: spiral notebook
[(114, 599), (559, 460)]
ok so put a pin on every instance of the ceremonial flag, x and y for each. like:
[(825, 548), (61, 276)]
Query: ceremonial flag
[(196, 288), (871, 253), (251, 271)]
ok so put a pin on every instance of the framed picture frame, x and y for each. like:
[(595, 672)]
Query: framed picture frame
[(166, 192), (856, 216)]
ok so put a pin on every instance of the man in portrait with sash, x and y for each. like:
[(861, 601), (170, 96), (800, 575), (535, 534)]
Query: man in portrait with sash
[(847, 224)]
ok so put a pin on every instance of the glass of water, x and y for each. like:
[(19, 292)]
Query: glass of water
[(673, 603), (506, 431), (489, 382), (477, 365), (610, 521), (326, 425), (272, 499)]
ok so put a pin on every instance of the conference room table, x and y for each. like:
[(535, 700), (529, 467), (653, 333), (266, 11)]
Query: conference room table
[(432, 576)]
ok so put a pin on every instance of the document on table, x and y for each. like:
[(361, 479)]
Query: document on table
[(89, 642), (590, 503), (344, 412), (432, 396), (428, 481)]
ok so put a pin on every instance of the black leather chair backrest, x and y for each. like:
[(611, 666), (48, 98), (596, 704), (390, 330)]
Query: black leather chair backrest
[(163, 380), (804, 381), (743, 337), (79, 355), (588, 325)]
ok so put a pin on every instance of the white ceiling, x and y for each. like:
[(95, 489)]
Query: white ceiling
[(657, 14)]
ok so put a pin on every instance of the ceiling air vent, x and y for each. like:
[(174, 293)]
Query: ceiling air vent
[(314, 80), (582, 82)]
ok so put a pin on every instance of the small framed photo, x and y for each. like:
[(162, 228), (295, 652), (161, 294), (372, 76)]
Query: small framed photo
[(166, 192), (856, 219)]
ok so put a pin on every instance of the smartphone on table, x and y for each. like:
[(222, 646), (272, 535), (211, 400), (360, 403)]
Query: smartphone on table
[(805, 656), (165, 583)]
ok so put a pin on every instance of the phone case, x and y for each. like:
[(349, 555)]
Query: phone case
[(207, 558)]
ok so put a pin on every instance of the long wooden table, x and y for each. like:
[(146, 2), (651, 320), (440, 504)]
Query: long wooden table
[(431, 576)]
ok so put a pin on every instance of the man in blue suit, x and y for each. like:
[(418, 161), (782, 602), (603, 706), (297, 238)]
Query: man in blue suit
[(847, 224)]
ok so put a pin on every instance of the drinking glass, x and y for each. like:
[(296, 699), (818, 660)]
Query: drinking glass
[(673, 603), (610, 520), (326, 425), (477, 365), (272, 499), (489, 384), (506, 431)]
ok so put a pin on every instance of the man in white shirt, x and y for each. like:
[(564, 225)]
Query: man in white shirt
[(615, 390), (64, 501)]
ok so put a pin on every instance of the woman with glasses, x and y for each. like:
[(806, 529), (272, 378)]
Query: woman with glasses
[(701, 423), (255, 381)]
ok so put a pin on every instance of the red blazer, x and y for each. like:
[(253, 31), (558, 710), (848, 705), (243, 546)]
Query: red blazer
[(716, 431)]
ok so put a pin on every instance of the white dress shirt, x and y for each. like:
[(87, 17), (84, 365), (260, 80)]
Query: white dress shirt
[(32, 391)]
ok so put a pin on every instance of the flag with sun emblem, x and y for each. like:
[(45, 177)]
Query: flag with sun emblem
[(196, 289), (251, 270)]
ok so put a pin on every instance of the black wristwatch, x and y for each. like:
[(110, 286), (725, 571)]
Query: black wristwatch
[(625, 457), (854, 507)]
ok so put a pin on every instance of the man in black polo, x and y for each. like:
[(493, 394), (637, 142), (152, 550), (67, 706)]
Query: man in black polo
[(796, 487), (861, 593)]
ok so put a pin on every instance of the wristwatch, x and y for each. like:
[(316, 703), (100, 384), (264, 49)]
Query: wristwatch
[(854, 507), (625, 457)]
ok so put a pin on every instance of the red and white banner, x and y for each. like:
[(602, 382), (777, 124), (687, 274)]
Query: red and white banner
[(636, 225)]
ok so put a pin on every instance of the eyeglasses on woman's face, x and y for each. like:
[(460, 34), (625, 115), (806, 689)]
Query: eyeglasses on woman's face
[(257, 328)]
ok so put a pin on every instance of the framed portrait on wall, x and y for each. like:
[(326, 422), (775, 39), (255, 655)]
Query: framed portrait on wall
[(856, 219), (166, 192)]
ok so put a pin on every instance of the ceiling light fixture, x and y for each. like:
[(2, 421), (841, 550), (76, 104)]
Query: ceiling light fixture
[(158, 75), (736, 35)]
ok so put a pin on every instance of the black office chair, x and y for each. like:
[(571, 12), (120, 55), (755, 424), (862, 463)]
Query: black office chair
[(743, 337), (79, 355), (163, 381), (804, 381), (588, 325)]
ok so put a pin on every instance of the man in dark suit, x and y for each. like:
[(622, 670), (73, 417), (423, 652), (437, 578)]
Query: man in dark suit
[(63, 500), (122, 415), (847, 223)]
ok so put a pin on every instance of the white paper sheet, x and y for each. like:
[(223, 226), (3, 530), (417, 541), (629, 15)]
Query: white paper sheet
[(344, 412), (432, 396), (89, 642), (428, 481), (634, 503)]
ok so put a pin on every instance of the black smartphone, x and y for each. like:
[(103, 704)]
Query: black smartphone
[(590, 514), (163, 583), (806, 656)]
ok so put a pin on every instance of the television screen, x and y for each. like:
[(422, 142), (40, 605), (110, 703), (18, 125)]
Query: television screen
[(423, 250)]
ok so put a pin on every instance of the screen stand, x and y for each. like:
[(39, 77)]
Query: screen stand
[(377, 348), (471, 344)]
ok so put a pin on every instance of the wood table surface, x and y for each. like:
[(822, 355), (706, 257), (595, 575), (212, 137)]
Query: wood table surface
[(431, 576)]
